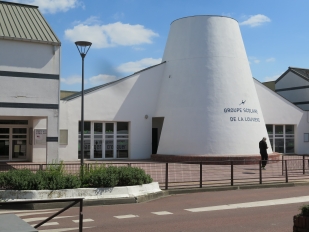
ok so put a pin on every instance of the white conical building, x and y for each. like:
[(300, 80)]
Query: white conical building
[(207, 97)]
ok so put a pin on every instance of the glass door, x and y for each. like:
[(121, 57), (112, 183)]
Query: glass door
[(109, 140), (19, 143), (4, 143), (98, 136)]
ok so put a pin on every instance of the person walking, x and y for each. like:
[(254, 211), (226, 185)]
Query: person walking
[(263, 152)]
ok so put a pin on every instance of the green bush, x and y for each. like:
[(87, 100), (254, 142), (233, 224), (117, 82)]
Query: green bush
[(305, 210), (54, 177), (133, 176), (19, 180), (100, 177)]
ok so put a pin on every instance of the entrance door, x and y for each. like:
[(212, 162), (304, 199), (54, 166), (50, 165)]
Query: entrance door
[(19, 143), (4, 143), (154, 140), (13, 143)]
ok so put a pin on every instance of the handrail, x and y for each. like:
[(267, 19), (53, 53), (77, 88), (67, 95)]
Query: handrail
[(75, 201)]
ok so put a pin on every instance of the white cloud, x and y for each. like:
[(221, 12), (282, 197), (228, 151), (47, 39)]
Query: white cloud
[(75, 79), (135, 66), (90, 21), (256, 20), (52, 6), (272, 59), (254, 60), (110, 35), (102, 78), (271, 78), (118, 15)]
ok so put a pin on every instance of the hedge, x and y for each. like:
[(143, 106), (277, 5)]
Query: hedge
[(55, 178)]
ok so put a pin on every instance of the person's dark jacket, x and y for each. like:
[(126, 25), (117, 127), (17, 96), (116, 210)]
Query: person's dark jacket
[(263, 147)]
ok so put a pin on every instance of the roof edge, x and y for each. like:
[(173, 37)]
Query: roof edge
[(78, 94), (222, 16), (31, 40), (19, 4)]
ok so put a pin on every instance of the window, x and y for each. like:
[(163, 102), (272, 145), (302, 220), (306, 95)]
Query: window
[(105, 140), (281, 138), (122, 140), (306, 137), (87, 139), (14, 122), (63, 137)]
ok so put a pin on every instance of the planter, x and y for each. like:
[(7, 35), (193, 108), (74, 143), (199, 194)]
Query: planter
[(301, 223), (87, 193)]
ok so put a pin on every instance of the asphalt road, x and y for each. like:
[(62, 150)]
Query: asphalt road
[(207, 211)]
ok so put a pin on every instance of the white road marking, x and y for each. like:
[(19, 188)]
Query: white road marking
[(47, 224), (162, 213), (64, 229), (34, 213), (21, 211), (43, 218), (126, 216), (252, 204), (84, 220)]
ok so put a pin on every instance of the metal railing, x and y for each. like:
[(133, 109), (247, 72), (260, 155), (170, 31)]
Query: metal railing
[(75, 201), (203, 174)]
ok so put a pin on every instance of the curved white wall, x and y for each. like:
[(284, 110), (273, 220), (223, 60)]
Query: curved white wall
[(207, 72)]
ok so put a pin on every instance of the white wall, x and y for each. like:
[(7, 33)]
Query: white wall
[(30, 57), (207, 71), (20, 56), (127, 100), (279, 111)]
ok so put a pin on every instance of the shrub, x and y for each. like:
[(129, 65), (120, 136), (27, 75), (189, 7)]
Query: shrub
[(100, 176), (19, 180), (305, 210), (133, 176), (54, 177)]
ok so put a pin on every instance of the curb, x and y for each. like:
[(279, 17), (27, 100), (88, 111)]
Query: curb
[(152, 196)]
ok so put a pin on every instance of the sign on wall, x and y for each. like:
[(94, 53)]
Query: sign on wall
[(40, 136)]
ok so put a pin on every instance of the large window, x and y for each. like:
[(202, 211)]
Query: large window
[(281, 138), (105, 140)]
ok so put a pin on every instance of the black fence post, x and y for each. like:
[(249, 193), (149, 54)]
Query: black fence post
[(41, 167), (260, 170), (286, 172), (232, 173), (282, 165), (166, 176), (81, 216), (201, 175), (303, 164)]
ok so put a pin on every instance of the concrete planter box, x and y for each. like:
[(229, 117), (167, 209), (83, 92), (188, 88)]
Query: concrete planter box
[(87, 193), (301, 223)]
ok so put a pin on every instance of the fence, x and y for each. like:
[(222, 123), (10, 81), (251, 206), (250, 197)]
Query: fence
[(204, 174)]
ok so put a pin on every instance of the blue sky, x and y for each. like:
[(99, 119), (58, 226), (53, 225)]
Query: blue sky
[(129, 35)]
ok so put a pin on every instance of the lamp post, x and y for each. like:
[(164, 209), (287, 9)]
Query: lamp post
[(83, 47)]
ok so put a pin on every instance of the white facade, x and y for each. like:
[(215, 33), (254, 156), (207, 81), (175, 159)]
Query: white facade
[(188, 99), (29, 89), (35, 99), (201, 100)]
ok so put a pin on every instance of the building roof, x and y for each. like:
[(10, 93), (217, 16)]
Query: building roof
[(78, 94), (25, 22), (302, 72)]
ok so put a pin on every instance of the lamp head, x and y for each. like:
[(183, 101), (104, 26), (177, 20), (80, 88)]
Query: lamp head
[(83, 47)]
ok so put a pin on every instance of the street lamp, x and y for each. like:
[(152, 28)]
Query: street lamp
[(83, 47)]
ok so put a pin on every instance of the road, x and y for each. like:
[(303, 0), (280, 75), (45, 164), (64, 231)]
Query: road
[(270, 209)]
